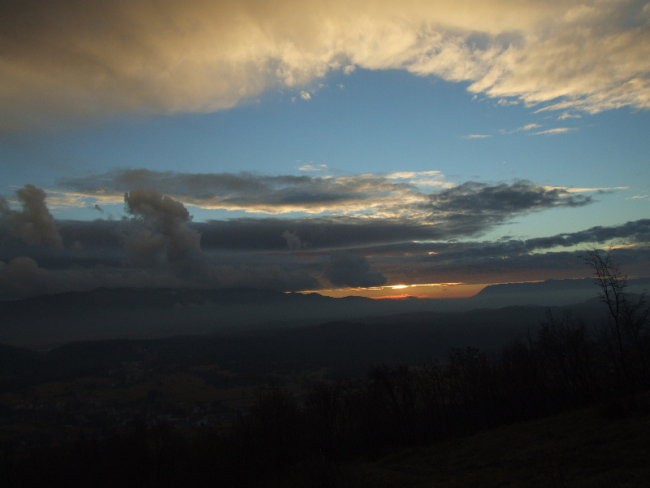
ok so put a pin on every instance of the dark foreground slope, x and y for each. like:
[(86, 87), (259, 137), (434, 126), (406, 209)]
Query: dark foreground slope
[(264, 409), (583, 448)]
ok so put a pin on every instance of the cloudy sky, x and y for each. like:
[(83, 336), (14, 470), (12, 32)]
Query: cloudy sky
[(347, 147)]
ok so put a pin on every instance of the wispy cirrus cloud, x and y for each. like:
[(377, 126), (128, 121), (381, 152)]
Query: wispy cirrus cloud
[(524, 128), (313, 167), (530, 129), (568, 116), (587, 189), (89, 59), (555, 131), (477, 136)]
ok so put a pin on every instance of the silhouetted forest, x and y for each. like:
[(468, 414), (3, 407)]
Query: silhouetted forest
[(561, 368)]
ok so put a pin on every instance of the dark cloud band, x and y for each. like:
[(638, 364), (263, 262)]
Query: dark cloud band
[(159, 245)]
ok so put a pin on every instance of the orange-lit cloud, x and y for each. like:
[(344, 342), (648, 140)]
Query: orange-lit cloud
[(96, 58)]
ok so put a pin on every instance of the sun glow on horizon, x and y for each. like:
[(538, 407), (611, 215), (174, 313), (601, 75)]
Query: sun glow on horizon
[(415, 290)]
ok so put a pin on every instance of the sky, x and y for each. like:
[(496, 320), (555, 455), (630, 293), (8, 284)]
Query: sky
[(376, 148)]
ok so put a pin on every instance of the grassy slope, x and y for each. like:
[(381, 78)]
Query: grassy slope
[(579, 448)]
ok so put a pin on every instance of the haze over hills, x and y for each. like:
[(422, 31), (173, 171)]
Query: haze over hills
[(51, 320), (346, 346), (550, 292)]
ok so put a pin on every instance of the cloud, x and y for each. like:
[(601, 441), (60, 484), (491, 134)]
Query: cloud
[(637, 231), (473, 207), (157, 247), (411, 175), (23, 277), (305, 95), (466, 210), (351, 195), (361, 209), (554, 131), (271, 234), (160, 246), (477, 136), (34, 224), (165, 234), (634, 233), (582, 189), (313, 167), (394, 254), (4, 207), (421, 179), (518, 267), (322, 235), (347, 269), (504, 198), (490, 261), (569, 115), (523, 128), (503, 102), (89, 59), (405, 195), (293, 241), (529, 127)]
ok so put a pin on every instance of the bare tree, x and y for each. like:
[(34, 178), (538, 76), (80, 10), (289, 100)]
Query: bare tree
[(627, 317), (612, 283)]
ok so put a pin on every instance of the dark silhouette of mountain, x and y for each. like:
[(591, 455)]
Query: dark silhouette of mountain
[(586, 285), (545, 293), (50, 320), (342, 346), (145, 313), (14, 360)]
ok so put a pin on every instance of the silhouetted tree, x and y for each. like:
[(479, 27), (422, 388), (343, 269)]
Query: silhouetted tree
[(567, 355), (628, 318)]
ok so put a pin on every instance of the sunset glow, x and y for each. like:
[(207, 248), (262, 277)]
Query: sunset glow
[(420, 290)]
